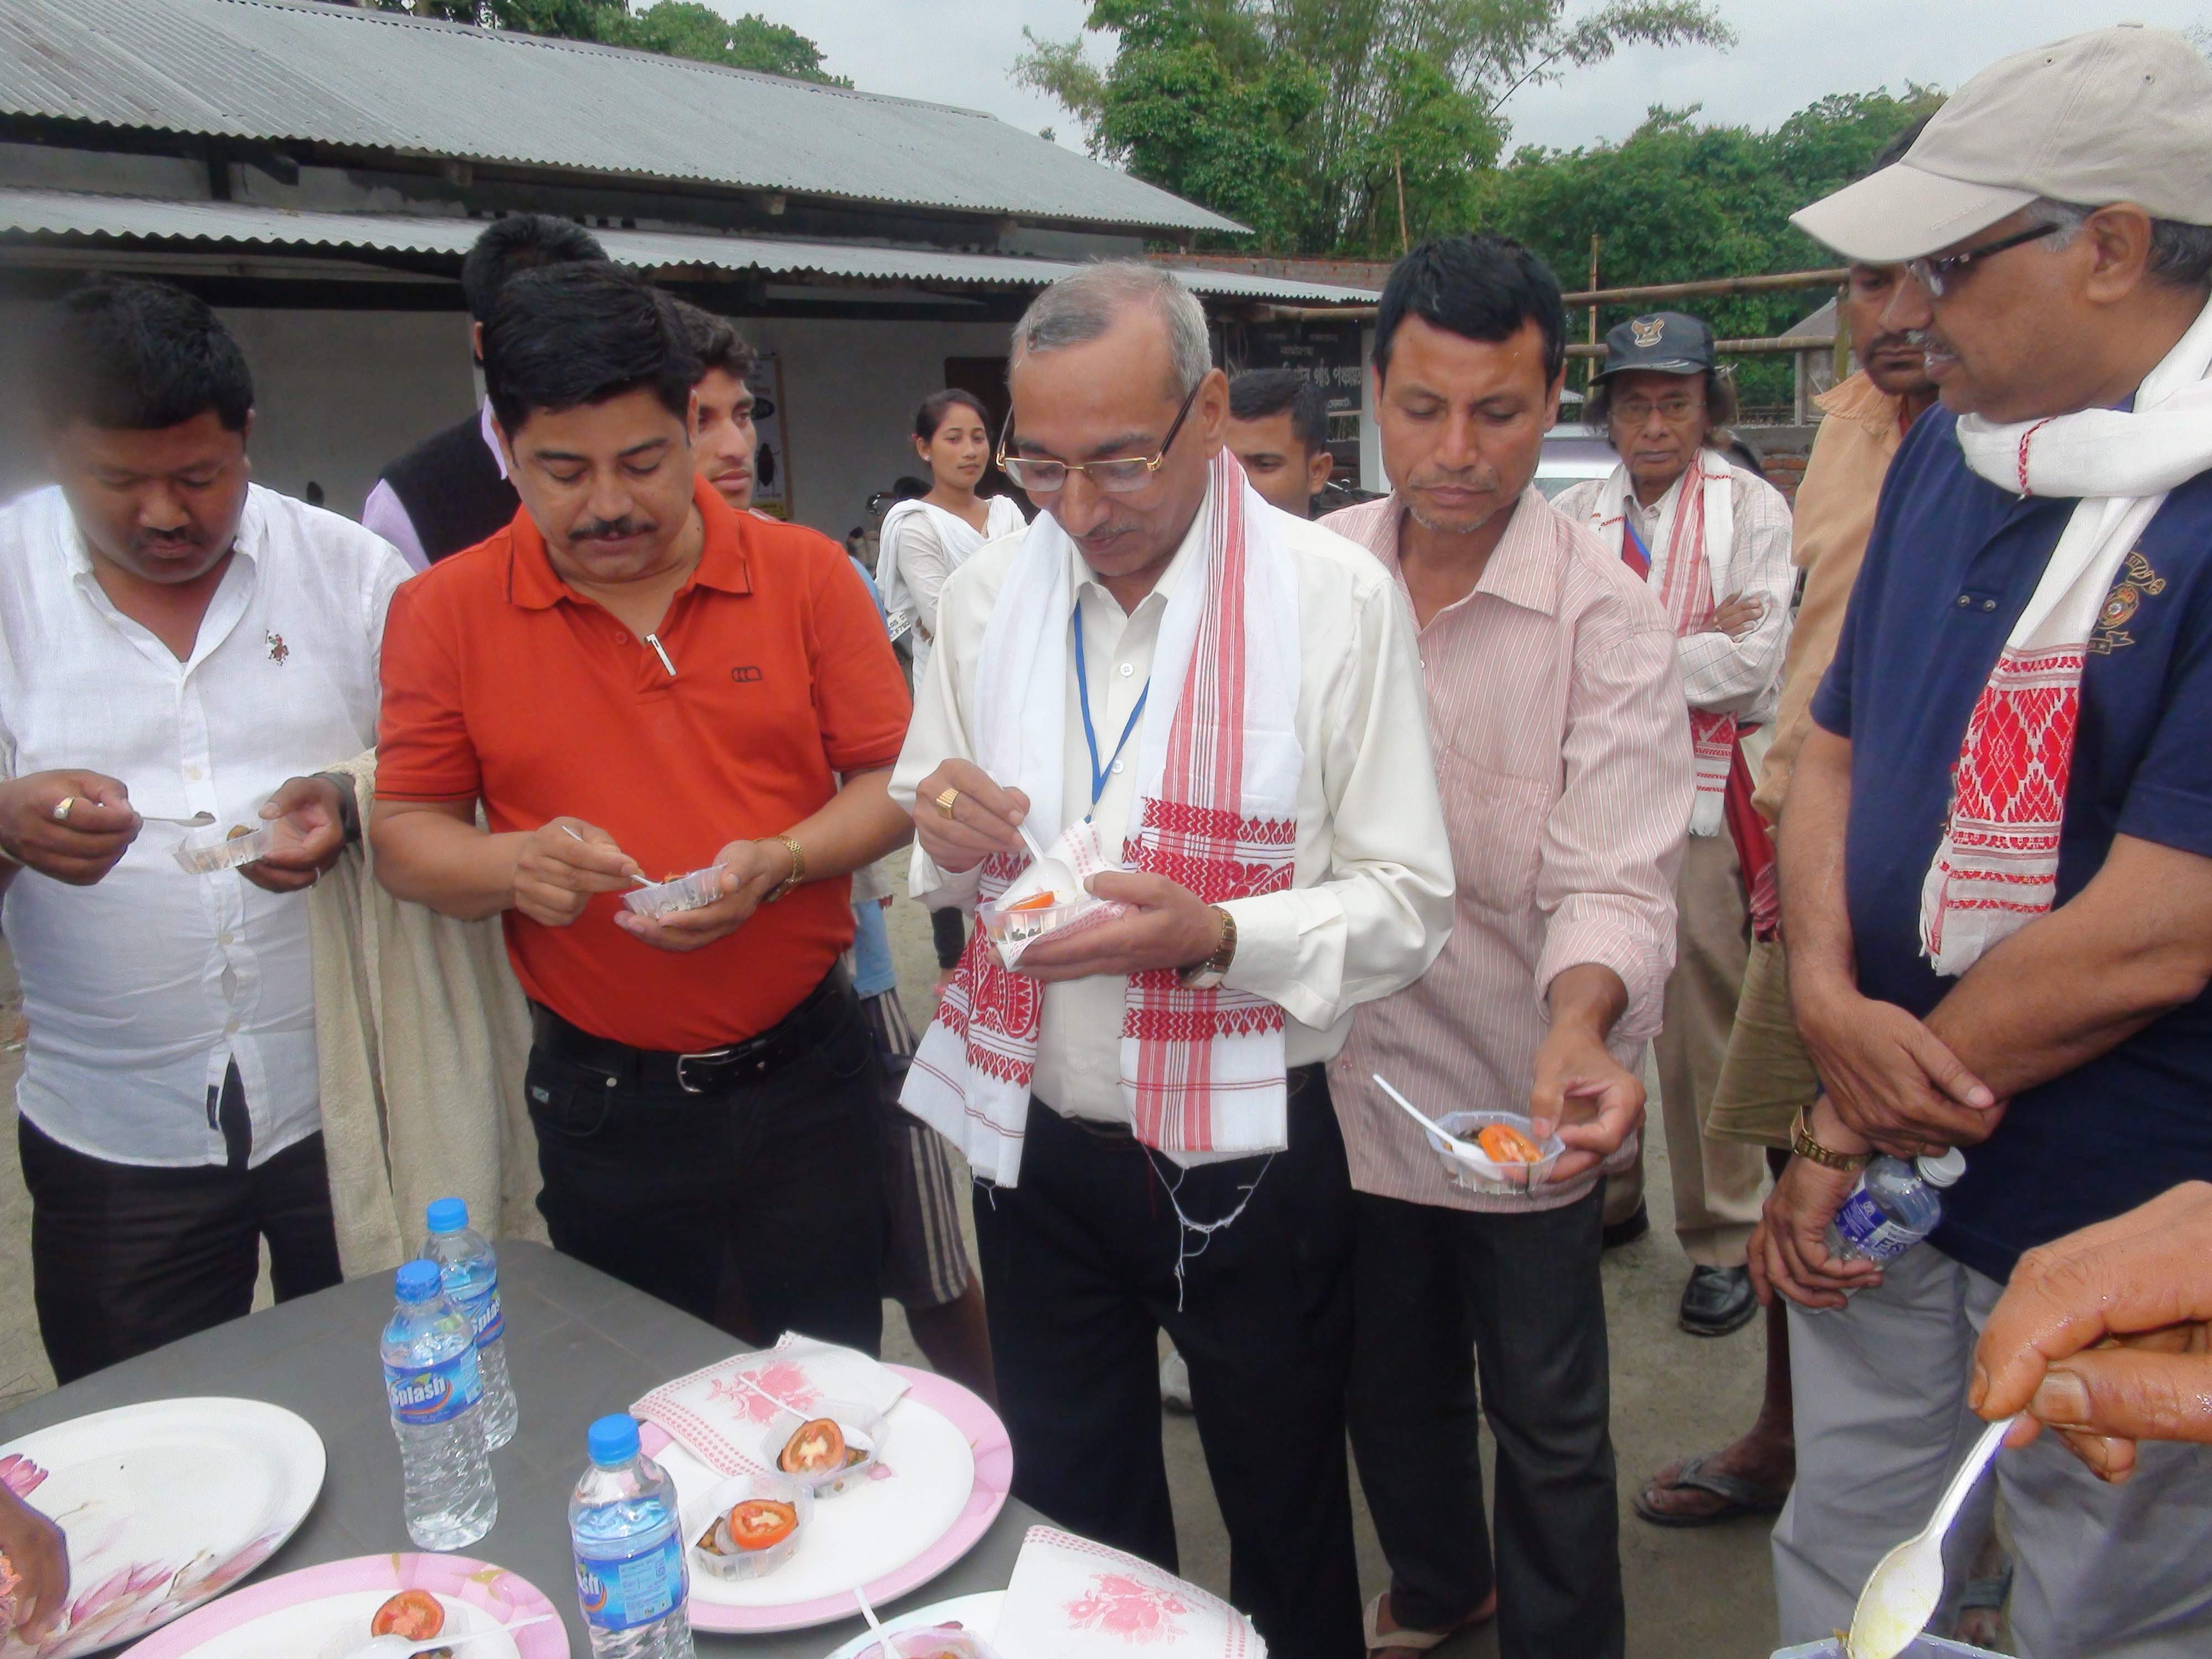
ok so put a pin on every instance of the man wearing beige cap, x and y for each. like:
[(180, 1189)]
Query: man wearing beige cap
[(1996, 855)]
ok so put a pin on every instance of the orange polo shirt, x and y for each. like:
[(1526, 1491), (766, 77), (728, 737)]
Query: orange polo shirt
[(502, 683)]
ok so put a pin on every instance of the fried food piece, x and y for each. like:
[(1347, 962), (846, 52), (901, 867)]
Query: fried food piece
[(1502, 1143), (816, 1447)]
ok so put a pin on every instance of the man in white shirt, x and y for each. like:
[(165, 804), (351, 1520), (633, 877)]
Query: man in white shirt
[(1711, 540), (174, 641), (1231, 698)]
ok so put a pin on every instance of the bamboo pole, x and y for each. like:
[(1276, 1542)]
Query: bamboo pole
[(1741, 348), (1717, 285)]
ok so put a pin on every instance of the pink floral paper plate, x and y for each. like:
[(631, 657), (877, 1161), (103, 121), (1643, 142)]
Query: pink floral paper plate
[(294, 1616), (947, 1467), (165, 1505)]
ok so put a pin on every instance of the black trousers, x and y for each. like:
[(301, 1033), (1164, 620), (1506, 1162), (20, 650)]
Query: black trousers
[(1080, 1277), (759, 1210), (1439, 1294), (126, 1259)]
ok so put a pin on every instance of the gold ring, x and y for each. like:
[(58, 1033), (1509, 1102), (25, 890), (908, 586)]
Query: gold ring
[(944, 801), (62, 808)]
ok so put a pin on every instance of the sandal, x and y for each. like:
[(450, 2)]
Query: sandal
[(1743, 1499), (1415, 1641)]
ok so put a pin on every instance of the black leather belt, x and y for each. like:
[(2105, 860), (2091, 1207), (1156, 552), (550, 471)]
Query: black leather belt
[(721, 1071)]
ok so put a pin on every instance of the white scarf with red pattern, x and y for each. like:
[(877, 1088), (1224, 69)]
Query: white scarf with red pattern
[(1215, 809), (1997, 868)]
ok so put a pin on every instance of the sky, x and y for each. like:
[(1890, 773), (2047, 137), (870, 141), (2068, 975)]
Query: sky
[(1791, 52)]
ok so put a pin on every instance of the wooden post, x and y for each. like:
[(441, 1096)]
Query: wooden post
[(1589, 378), (1398, 166)]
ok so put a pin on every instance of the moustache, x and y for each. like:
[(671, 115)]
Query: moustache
[(608, 530), (155, 541)]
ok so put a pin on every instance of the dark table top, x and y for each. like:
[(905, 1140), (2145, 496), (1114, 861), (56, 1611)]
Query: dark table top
[(579, 1345)]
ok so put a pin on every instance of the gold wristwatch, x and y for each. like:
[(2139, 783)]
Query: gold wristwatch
[(798, 867), (1205, 975), (1803, 1143)]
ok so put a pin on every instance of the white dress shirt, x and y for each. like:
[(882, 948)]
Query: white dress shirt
[(142, 989), (1721, 675), (1371, 900)]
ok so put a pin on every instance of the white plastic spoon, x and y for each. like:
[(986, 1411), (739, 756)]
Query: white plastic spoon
[(882, 1637), (643, 881), (1051, 872), (1465, 1147), (1902, 1591), (197, 821)]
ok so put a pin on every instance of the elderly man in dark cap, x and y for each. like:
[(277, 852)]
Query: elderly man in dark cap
[(1712, 540)]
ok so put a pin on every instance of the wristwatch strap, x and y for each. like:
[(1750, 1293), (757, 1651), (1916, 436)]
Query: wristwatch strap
[(797, 867), (1802, 1143), (1210, 973)]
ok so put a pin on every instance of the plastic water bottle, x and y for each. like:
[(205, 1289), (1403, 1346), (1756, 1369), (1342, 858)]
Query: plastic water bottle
[(437, 1414), (471, 1272), (1894, 1207), (631, 1579)]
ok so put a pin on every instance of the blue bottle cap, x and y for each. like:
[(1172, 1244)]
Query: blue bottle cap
[(612, 1440), (419, 1281), (447, 1215)]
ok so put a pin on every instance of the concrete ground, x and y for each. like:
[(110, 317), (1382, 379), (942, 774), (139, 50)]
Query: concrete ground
[(1697, 1594)]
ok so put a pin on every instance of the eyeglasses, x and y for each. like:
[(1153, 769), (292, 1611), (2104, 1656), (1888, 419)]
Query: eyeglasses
[(1932, 274), (1635, 411), (1119, 476)]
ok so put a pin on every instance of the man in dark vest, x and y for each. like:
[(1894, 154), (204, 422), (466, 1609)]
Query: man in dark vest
[(451, 491)]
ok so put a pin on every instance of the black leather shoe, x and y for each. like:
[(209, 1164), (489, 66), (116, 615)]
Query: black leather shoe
[(1717, 1300), (1629, 1228)]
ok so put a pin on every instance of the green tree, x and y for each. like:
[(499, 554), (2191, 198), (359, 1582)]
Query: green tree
[(676, 28), (1370, 99), (1677, 202)]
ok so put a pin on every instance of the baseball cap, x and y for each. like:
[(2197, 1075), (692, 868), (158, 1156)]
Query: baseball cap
[(1663, 342), (2121, 114)]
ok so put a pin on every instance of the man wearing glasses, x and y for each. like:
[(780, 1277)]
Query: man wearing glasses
[(1996, 856), (1711, 541), (1226, 702)]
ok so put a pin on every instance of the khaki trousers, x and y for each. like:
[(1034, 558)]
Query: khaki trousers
[(1717, 1182)]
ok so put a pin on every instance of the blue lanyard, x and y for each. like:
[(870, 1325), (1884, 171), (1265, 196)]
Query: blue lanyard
[(1098, 773)]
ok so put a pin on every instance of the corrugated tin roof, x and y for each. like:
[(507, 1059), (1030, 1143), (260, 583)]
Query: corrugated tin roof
[(236, 224), (280, 71)]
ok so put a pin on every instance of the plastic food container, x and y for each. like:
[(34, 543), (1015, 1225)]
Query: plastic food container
[(706, 1526), (218, 848), (863, 1430), (1012, 930), (932, 1642), (1923, 1647), (1477, 1174), (692, 892)]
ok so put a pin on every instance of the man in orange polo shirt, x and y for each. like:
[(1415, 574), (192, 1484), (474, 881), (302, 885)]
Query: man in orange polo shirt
[(635, 679)]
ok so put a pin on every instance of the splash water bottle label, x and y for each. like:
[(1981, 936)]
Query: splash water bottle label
[(1871, 1233), (484, 1311), (622, 1592), (423, 1395)]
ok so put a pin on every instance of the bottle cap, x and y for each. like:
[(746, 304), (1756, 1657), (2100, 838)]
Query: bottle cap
[(1944, 1171), (419, 1281), (447, 1215), (612, 1440)]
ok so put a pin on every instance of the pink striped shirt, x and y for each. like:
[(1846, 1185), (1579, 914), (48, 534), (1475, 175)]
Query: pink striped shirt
[(1557, 715)]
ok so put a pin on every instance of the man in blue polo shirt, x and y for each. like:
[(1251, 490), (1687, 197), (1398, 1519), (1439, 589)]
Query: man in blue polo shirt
[(1996, 857)]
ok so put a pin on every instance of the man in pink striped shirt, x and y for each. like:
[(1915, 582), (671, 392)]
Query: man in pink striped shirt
[(1557, 715)]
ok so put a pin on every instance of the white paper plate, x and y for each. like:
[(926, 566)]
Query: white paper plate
[(978, 1613), (165, 1505), (928, 1471)]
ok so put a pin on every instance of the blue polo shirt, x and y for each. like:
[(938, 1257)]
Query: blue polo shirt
[(1951, 565)]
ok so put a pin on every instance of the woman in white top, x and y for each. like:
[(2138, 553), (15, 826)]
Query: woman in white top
[(926, 540)]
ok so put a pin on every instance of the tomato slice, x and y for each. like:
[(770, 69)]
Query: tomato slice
[(1043, 900), (758, 1523), (815, 1447), (414, 1613), (1504, 1144)]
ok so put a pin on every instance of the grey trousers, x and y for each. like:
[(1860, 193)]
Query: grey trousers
[(2117, 1572)]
